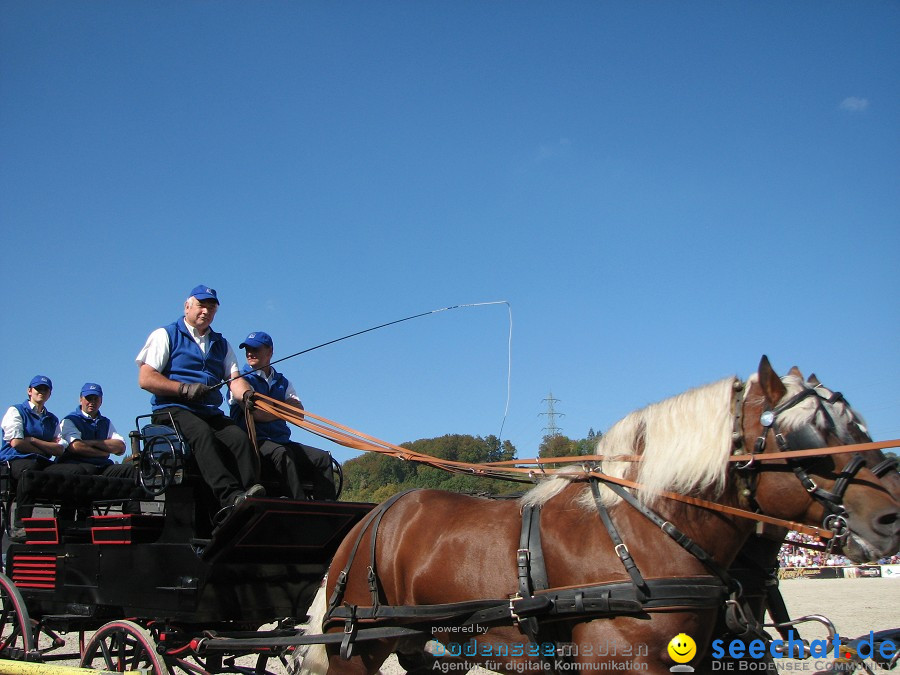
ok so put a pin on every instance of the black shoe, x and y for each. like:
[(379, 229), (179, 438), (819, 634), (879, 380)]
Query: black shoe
[(225, 512), (253, 491), (221, 516)]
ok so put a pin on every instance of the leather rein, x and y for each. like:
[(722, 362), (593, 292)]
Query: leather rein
[(833, 528)]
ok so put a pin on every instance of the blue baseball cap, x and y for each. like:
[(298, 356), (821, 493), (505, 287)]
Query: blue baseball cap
[(39, 381), (202, 292), (91, 389), (257, 339)]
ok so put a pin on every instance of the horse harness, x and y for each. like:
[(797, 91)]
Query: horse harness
[(538, 610), (535, 608), (835, 520)]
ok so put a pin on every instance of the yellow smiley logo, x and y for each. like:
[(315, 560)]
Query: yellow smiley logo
[(682, 648)]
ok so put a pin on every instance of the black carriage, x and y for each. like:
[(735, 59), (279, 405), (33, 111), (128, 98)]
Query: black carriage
[(149, 580)]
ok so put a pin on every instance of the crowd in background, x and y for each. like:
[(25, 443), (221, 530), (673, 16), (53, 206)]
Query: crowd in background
[(792, 555)]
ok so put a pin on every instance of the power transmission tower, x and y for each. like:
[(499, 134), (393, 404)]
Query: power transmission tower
[(551, 414)]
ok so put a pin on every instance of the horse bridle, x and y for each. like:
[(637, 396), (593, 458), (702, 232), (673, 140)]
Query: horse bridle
[(835, 520)]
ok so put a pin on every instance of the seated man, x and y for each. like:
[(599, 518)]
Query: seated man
[(31, 439), (292, 461), (91, 439), (184, 365)]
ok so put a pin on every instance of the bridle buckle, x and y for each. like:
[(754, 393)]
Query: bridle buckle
[(836, 523)]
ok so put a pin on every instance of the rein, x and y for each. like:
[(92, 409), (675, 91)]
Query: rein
[(721, 508), (507, 470)]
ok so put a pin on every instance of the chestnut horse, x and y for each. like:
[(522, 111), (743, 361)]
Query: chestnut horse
[(464, 553)]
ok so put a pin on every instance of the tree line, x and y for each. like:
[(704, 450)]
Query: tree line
[(372, 477)]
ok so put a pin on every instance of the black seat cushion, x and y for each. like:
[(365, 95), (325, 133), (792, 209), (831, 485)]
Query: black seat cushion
[(61, 488)]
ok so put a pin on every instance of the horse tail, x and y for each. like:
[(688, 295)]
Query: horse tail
[(312, 659)]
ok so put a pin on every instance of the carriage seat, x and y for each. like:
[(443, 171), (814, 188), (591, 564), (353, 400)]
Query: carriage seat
[(40, 487)]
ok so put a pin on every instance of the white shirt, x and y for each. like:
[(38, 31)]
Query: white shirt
[(155, 352), (71, 433), (14, 427)]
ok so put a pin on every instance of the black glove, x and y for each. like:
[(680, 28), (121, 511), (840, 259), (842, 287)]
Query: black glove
[(193, 391), (247, 400)]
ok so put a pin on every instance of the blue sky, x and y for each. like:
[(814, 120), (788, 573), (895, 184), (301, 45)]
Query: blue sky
[(662, 191)]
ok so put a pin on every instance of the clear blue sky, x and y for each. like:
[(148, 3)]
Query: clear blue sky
[(662, 191)]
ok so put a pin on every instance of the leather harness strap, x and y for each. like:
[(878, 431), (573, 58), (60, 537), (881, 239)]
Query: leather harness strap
[(532, 574), (619, 546), (586, 602), (375, 515)]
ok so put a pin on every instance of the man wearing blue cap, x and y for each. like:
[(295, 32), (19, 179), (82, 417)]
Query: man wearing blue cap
[(31, 437), (291, 461), (91, 436), (184, 366)]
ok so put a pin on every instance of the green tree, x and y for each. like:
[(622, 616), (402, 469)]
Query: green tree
[(557, 445), (562, 446), (374, 477)]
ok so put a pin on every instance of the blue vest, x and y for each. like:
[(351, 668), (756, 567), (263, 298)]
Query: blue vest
[(277, 430), (37, 426), (92, 429), (188, 364)]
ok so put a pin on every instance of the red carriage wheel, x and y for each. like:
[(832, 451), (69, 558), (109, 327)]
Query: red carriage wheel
[(123, 645), (16, 628)]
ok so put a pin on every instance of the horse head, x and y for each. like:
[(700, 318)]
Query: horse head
[(852, 494)]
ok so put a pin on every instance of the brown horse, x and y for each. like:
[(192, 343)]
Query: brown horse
[(433, 548)]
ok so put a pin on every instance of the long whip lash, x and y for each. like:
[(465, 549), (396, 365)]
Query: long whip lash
[(410, 318)]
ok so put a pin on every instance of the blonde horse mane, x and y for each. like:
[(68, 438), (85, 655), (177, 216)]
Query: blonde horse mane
[(685, 442)]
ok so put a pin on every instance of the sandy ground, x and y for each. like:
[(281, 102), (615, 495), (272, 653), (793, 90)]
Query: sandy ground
[(856, 606)]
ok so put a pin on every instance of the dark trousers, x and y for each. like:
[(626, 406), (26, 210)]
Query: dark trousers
[(128, 470), (297, 464), (221, 450), (16, 468)]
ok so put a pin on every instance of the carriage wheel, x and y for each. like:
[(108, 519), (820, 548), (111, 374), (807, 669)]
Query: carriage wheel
[(123, 645), (16, 636), (21, 638)]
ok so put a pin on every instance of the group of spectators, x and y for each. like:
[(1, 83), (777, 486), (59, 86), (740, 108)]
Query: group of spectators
[(794, 554), (184, 366)]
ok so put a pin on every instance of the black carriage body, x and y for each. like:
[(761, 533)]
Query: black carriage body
[(264, 563)]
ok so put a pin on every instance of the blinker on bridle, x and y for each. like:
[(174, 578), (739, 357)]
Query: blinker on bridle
[(835, 519)]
